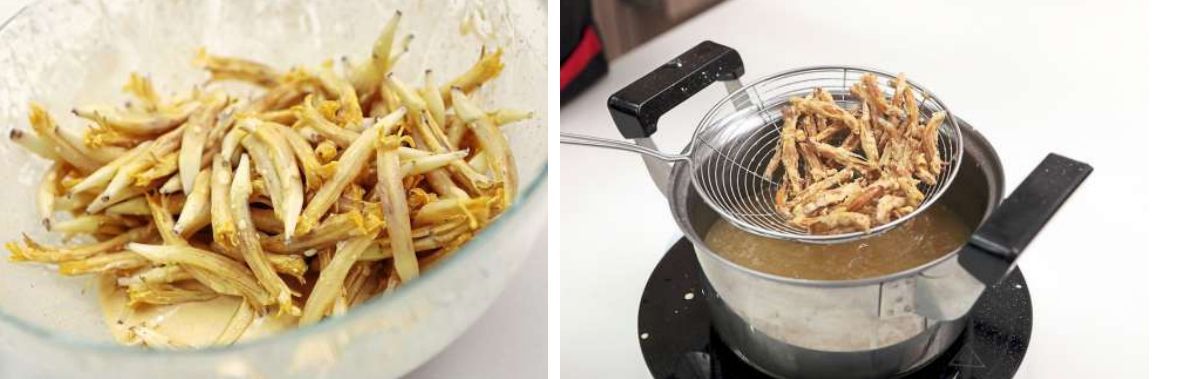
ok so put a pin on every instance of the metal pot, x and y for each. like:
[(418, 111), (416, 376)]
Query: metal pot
[(848, 329), (866, 328)]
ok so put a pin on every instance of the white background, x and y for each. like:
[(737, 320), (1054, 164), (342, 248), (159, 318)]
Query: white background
[(1033, 77), (509, 341), (1161, 261)]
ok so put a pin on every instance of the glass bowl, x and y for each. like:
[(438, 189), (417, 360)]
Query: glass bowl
[(66, 52)]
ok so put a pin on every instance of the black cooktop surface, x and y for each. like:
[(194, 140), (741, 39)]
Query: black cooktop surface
[(674, 329)]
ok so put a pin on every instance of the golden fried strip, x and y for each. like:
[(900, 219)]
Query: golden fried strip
[(267, 169), (219, 212), (366, 78), (234, 273), (277, 167), (789, 157), (34, 144), (867, 136), (285, 117), (921, 169), (137, 206), (195, 136), (225, 121), (153, 275), (196, 213), (308, 114), (88, 224), (816, 169), (929, 141), (160, 167), (100, 136), (350, 114), (770, 167), (840, 155), (872, 192), (912, 113), (433, 100), (824, 109), (445, 209), (351, 163), (826, 198), (135, 123), (164, 293), (140, 86), (102, 263), (418, 166), (163, 222), (456, 131), (407, 96), (331, 278), (354, 283), (908, 185), (508, 116), (238, 323), (77, 204), (488, 67), (124, 174), (888, 204), (493, 142), (396, 211), (306, 157), (102, 175), (32, 251), (874, 96), (247, 242), (900, 86), (45, 128), (292, 265), (227, 68), (426, 130), (286, 164), (837, 220), (812, 190), (334, 228), (47, 192), (231, 145)]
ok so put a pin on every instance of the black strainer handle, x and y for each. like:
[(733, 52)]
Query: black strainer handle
[(637, 107), (996, 245)]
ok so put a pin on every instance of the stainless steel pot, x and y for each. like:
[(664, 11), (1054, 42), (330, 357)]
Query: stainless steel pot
[(847, 329), (868, 328)]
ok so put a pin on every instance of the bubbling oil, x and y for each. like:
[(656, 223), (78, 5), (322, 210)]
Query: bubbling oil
[(932, 234)]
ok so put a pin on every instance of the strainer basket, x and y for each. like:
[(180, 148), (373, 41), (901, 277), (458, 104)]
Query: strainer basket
[(736, 139)]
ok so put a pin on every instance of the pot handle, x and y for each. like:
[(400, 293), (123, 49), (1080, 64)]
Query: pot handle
[(994, 248), (637, 107)]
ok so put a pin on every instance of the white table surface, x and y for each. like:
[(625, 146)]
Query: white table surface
[(1052, 76), (509, 341)]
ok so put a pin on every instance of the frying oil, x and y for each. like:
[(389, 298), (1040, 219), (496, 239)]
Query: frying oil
[(930, 235)]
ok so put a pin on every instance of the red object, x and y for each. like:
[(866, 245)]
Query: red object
[(589, 47)]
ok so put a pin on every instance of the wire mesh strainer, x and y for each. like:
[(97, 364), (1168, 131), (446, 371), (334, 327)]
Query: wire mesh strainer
[(734, 142)]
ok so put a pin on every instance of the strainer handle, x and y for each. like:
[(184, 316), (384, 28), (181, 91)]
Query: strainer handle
[(637, 107), (995, 247), (584, 140)]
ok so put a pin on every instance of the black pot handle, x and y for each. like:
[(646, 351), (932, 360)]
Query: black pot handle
[(994, 248), (637, 107)]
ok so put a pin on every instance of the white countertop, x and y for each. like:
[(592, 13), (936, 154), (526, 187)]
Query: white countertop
[(509, 341), (1033, 78)]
